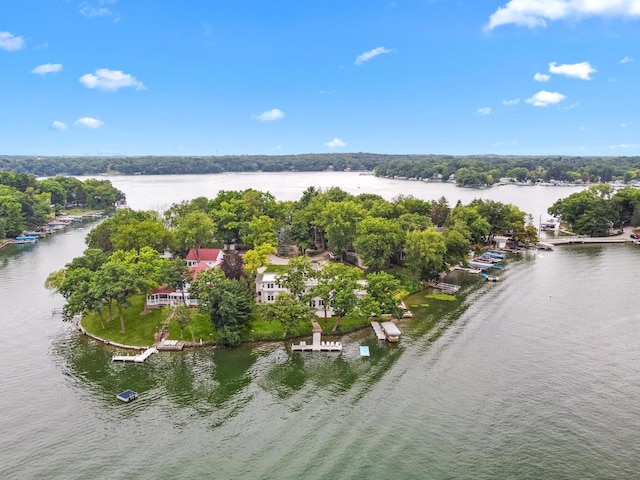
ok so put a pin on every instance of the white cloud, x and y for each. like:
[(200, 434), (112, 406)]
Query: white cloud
[(335, 143), (10, 42), (484, 111), (47, 68), (366, 56), (536, 13), (582, 70), (541, 77), (626, 60), (269, 115), (624, 145), (57, 125), (544, 98), (515, 101), (88, 122), (98, 9), (105, 79)]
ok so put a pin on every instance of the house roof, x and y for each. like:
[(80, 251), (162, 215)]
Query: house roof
[(163, 289), (206, 254), (197, 268)]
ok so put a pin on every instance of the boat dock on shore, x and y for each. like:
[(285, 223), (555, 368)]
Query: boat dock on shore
[(378, 331), (577, 239), (317, 344), (135, 358)]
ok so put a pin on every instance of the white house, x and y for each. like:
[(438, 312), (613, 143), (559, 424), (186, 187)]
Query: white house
[(268, 288), (163, 297)]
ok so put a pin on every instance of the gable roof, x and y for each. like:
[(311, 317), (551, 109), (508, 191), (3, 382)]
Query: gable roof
[(206, 254)]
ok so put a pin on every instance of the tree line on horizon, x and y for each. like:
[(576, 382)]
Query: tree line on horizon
[(467, 170)]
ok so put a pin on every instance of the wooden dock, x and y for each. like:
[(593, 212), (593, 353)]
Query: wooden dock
[(317, 345), (378, 331), (170, 346), (135, 358), (445, 287), (577, 239)]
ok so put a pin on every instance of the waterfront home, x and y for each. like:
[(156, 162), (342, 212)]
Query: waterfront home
[(210, 256), (164, 297), (268, 288)]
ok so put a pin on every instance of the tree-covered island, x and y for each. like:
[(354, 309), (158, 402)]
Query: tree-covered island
[(397, 245)]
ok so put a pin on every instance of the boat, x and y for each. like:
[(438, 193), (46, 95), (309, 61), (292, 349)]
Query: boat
[(491, 278), (26, 239), (480, 265), (391, 331), (127, 396), (544, 246)]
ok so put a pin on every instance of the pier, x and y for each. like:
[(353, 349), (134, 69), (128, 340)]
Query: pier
[(445, 287), (135, 358), (577, 239), (378, 331), (317, 345)]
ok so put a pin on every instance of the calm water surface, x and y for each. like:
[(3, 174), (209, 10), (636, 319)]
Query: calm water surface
[(158, 192), (534, 377)]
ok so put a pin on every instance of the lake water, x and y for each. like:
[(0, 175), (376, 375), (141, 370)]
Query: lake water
[(160, 191), (535, 377)]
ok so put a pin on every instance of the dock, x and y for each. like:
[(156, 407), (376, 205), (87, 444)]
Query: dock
[(378, 331), (169, 346), (135, 358), (577, 239), (465, 269), (445, 287), (317, 345)]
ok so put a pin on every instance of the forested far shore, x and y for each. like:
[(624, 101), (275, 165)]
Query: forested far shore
[(466, 170)]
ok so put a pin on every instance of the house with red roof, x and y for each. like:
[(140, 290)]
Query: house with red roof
[(210, 256), (205, 259)]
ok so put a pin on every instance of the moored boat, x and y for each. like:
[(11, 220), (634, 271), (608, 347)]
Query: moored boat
[(26, 239)]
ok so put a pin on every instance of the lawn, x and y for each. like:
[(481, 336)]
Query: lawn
[(276, 268), (139, 329), (199, 329)]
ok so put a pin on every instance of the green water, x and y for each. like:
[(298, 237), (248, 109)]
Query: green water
[(535, 377)]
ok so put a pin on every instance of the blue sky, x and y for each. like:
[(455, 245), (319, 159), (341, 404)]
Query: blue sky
[(207, 77)]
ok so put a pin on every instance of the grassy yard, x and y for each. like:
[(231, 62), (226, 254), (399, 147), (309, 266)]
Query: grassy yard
[(199, 329), (275, 268), (139, 329)]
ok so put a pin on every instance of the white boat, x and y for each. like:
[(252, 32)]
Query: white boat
[(544, 246)]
